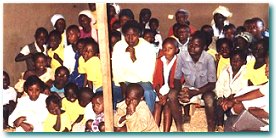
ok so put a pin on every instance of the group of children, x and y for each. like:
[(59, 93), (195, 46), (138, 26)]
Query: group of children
[(149, 75)]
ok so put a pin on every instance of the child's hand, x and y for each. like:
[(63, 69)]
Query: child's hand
[(131, 50), (183, 95), (130, 109), (27, 127), (163, 99), (217, 57), (19, 121), (56, 56)]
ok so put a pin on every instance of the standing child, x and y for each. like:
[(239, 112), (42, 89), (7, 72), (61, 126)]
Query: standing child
[(163, 81), (86, 21), (26, 53), (59, 24), (229, 31), (183, 34), (55, 52), (57, 119), (9, 99), (231, 80), (224, 46), (61, 79), (134, 112), (30, 112)]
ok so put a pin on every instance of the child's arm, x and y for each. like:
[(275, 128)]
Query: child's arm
[(58, 121), (85, 80), (21, 57), (90, 84), (56, 57), (78, 120)]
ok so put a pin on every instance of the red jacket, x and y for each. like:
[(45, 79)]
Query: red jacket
[(158, 78)]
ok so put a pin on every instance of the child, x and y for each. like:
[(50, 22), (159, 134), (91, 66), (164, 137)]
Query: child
[(257, 29), (198, 69), (30, 112), (154, 25), (55, 52), (220, 16), (26, 53), (71, 104), (115, 36), (75, 76), (224, 46), (229, 31), (256, 68), (86, 21), (148, 35), (59, 24), (90, 65), (98, 108), (183, 34), (124, 16), (61, 79), (163, 81), (9, 99), (144, 17), (73, 34), (231, 80), (57, 119), (134, 112)]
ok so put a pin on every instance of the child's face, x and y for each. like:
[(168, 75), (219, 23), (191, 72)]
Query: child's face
[(224, 50), (80, 47), (131, 37), (53, 108), (114, 40), (149, 37), (123, 20), (236, 62), (61, 77), (241, 43), (258, 51), (195, 48), (219, 19), (71, 95), (181, 18), (144, 19), (229, 34), (6, 81), (169, 50), (256, 28), (84, 100), (41, 39), (84, 21), (183, 34), (40, 64), (88, 52), (98, 105), (132, 98), (60, 25), (54, 41), (72, 36), (34, 91), (267, 67), (153, 26)]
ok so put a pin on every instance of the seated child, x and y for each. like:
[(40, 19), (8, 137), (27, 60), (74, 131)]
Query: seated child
[(163, 82), (30, 111), (9, 99), (39, 45), (231, 80), (57, 119), (86, 21), (134, 112), (224, 46), (61, 79), (71, 104)]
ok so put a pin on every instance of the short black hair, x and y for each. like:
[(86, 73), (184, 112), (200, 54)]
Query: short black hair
[(62, 68), (93, 43), (53, 98), (229, 26), (68, 86), (139, 89), (146, 31), (240, 52), (201, 36), (170, 40), (116, 34), (222, 41), (257, 19), (85, 90), (55, 33), (153, 20), (31, 80), (132, 24), (41, 30), (126, 12), (145, 11), (38, 55), (98, 94), (73, 27)]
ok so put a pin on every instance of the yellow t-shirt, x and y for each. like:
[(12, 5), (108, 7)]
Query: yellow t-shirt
[(60, 52), (256, 76), (51, 121), (212, 52), (92, 68), (73, 109), (222, 64)]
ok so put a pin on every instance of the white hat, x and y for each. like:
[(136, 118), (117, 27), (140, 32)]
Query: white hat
[(246, 36), (223, 10), (88, 13), (56, 17)]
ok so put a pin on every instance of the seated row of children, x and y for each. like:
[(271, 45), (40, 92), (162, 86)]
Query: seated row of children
[(182, 72)]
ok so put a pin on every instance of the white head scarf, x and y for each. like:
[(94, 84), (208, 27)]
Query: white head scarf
[(88, 13), (56, 17)]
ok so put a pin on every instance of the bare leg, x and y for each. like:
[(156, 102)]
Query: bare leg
[(209, 100), (167, 123), (176, 109), (157, 113)]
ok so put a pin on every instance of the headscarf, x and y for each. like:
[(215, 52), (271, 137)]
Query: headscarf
[(55, 18)]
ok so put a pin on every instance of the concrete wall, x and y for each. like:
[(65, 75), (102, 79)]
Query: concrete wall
[(21, 21)]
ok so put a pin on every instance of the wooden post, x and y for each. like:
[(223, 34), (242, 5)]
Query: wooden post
[(103, 40)]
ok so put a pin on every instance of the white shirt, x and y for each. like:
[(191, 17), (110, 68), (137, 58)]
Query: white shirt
[(125, 70), (89, 113), (25, 50), (166, 73), (35, 112), (69, 58), (227, 85), (9, 94), (183, 47), (158, 38), (216, 30)]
